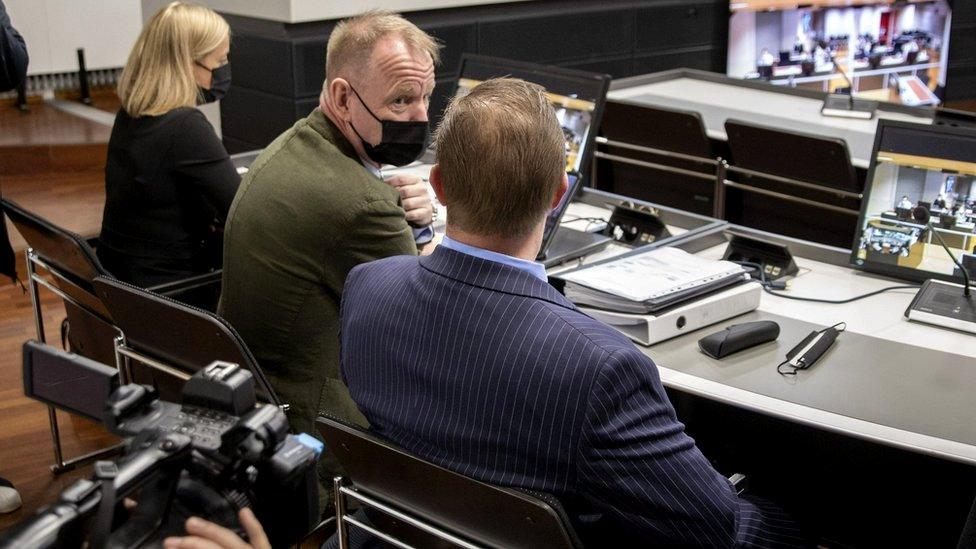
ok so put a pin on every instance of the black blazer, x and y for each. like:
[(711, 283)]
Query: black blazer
[(13, 53), (167, 180)]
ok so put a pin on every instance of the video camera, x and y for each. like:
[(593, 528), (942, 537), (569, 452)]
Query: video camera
[(209, 457)]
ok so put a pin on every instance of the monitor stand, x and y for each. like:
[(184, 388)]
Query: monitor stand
[(943, 304), (568, 244)]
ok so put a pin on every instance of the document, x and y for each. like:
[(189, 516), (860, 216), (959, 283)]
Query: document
[(648, 281)]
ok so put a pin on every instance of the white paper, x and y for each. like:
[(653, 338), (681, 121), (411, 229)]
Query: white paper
[(651, 275)]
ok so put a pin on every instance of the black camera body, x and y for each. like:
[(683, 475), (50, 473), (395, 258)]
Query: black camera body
[(210, 456)]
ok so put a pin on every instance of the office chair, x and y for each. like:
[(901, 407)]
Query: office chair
[(657, 155), (792, 183), (172, 340), (423, 505)]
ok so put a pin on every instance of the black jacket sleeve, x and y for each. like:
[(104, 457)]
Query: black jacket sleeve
[(13, 53), (200, 157)]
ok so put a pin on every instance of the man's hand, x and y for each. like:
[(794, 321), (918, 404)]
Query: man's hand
[(415, 198), (202, 534)]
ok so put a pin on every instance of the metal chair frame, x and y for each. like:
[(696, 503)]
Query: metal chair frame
[(344, 519), (722, 168), (34, 279)]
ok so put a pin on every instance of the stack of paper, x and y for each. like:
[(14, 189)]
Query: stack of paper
[(649, 281)]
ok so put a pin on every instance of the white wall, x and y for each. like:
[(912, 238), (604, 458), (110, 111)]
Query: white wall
[(883, 188), (789, 26), (54, 29), (742, 44)]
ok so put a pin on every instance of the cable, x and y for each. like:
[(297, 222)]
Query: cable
[(769, 285)]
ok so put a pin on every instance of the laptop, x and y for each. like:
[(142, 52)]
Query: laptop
[(561, 244)]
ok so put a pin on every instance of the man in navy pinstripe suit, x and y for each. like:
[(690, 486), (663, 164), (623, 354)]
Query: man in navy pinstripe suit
[(470, 359)]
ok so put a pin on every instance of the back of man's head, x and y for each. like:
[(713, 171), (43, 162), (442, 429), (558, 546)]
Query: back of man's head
[(501, 155), (352, 41)]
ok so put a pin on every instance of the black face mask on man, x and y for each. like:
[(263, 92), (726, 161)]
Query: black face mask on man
[(219, 83), (401, 142)]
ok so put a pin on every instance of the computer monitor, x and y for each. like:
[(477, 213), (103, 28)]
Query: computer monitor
[(900, 48), (923, 161), (556, 215), (577, 96), (924, 204)]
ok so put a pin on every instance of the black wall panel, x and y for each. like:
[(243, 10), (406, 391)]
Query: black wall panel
[(309, 67), (456, 40), (263, 64), (279, 67), (560, 38), (699, 58), (679, 26)]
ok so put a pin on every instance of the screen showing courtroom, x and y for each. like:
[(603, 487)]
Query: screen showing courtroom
[(889, 50), (920, 188)]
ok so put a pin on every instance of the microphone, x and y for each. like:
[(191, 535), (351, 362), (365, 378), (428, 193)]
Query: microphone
[(834, 103), (965, 274)]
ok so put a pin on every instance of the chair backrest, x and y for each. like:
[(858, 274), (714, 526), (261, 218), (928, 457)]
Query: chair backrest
[(484, 514), (59, 247), (656, 177), (175, 333), (656, 127), (64, 251), (823, 161)]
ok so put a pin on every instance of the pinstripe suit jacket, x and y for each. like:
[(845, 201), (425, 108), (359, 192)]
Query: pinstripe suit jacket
[(484, 369)]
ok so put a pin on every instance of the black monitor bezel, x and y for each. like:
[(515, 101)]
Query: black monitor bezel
[(903, 273), (573, 189), (558, 72)]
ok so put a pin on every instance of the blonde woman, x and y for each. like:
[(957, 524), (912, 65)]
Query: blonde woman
[(168, 177)]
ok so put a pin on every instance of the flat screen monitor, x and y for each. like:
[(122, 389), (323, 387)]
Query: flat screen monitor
[(577, 96), (891, 50), (911, 165), (556, 215)]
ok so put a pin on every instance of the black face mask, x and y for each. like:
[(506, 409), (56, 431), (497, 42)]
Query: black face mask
[(219, 83), (401, 142)]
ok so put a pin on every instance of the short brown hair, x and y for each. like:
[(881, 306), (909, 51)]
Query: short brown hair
[(501, 154), (352, 40)]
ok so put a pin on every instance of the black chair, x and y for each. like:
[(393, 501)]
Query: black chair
[(72, 266), (657, 155), (792, 183), (172, 340), (423, 505)]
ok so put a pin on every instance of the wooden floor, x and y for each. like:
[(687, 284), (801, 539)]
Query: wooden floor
[(53, 164)]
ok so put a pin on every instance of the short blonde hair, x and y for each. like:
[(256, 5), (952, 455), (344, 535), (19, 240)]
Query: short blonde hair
[(158, 77), (501, 154), (352, 40)]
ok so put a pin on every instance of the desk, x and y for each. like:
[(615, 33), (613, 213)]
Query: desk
[(943, 386), (857, 444), (758, 103)]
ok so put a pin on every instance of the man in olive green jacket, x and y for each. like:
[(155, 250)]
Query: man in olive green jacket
[(314, 205)]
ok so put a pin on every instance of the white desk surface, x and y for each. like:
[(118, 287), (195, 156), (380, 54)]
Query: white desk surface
[(717, 102), (880, 316)]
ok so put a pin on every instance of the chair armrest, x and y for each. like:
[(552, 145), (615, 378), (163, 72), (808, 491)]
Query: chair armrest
[(740, 483)]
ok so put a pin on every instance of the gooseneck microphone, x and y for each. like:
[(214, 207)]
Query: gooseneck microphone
[(965, 275), (843, 73)]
